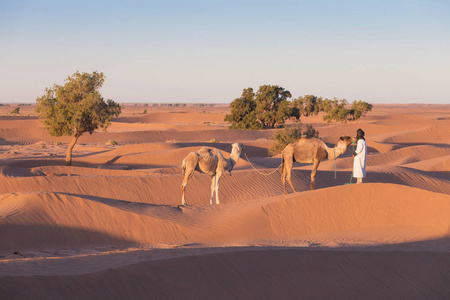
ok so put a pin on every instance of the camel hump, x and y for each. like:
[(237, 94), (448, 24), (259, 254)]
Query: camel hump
[(314, 141), (204, 150), (208, 154)]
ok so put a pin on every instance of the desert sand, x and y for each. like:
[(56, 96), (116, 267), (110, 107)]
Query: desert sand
[(111, 225)]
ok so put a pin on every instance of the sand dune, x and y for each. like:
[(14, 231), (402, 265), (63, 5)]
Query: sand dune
[(64, 220), (110, 226), (372, 230), (285, 274), (177, 117)]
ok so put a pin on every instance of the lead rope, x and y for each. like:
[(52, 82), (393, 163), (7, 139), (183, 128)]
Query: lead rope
[(265, 174), (351, 176), (334, 153)]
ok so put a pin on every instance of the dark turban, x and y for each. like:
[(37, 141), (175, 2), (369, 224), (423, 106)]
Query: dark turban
[(359, 134)]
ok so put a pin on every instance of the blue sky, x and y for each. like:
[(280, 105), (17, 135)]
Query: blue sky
[(209, 51)]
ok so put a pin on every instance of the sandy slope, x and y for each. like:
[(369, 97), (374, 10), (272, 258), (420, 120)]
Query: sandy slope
[(61, 220), (110, 225), (253, 274)]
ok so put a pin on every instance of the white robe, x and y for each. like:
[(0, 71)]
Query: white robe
[(359, 162)]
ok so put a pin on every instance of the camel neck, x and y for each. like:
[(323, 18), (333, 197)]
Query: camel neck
[(335, 152), (233, 159)]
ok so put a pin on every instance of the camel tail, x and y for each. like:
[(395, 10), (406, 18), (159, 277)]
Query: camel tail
[(282, 165)]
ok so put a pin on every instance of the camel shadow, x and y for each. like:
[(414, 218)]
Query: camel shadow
[(113, 160), (154, 210), (19, 238)]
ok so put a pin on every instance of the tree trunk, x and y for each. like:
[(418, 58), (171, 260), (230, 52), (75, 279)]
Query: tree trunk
[(69, 150)]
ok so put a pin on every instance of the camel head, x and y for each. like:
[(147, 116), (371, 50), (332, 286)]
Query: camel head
[(237, 147), (346, 140)]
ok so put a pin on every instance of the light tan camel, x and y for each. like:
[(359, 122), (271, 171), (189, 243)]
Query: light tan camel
[(209, 161), (310, 151)]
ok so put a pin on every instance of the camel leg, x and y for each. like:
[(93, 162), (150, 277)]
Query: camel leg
[(213, 188), (290, 182), (288, 163), (288, 169), (313, 174), (186, 176), (218, 175), (183, 189), (283, 178)]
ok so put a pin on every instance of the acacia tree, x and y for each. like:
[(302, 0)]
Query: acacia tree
[(266, 108), (243, 115), (338, 111), (272, 105), (76, 107), (308, 105), (335, 110)]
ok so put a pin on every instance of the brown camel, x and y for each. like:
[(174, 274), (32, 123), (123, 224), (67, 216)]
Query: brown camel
[(209, 161), (310, 151)]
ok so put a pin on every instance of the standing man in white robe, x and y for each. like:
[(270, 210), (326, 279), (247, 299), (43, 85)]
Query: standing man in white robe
[(360, 157)]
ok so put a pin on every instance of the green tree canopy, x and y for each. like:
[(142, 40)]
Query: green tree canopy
[(266, 108), (337, 110), (243, 115), (308, 105), (272, 105), (76, 107)]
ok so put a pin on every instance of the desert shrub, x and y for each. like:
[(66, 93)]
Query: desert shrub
[(111, 143), (310, 132), (145, 111), (213, 141), (15, 111), (282, 138)]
